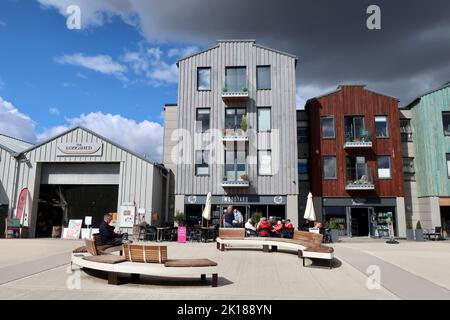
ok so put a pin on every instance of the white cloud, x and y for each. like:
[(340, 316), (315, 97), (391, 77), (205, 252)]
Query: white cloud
[(151, 63), (54, 111), (306, 92), (144, 137), (14, 123), (182, 52), (100, 63)]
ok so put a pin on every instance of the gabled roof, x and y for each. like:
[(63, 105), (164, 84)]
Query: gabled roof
[(339, 88), (239, 40), (13, 145), (417, 100), (95, 134)]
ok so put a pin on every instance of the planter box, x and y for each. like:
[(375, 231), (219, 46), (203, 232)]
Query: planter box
[(410, 234), (419, 234), (334, 233)]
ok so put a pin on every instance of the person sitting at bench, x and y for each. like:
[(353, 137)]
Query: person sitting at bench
[(107, 234), (288, 229), (263, 227), (277, 229), (229, 217), (250, 228)]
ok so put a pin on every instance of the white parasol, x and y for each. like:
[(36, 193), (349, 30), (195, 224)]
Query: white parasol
[(310, 214)]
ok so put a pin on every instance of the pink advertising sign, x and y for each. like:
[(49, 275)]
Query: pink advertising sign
[(181, 234)]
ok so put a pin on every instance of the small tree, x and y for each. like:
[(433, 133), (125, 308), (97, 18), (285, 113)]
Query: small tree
[(180, 218), (244, 123), (256, 216), (418, 225)]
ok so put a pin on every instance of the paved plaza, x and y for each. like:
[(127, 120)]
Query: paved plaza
[(40, 269)]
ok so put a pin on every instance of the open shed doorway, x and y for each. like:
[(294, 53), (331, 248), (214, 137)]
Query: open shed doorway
[(60, 203)]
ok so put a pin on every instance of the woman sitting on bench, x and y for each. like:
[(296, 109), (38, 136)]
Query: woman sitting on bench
[(263, 228)]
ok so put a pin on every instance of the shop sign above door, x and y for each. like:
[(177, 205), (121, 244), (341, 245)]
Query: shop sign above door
[(79, 149)]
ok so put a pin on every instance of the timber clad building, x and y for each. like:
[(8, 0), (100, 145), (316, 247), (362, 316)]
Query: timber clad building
[(237, 105), (76, 174)]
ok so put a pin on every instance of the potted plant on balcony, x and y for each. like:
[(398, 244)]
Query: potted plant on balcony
[(418, 233), (409, 231), (244, 89), (225, 89), (244, 123), (244, 177)]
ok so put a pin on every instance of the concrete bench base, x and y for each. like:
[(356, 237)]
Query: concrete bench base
[(273, 244), (151, 269)]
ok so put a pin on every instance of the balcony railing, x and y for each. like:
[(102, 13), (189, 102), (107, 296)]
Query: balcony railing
[(359, 177), (236, 178), (235, 92), (234, 135), (361, 139)]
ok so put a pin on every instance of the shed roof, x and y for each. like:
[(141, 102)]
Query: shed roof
[(13, 145), (417, 100)]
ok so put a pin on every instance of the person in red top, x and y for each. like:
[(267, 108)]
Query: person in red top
[(263, 227), (288, 229), (277, 229)]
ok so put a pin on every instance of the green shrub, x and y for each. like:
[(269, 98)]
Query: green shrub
[(179, 218), (244, 123), (256, 216)]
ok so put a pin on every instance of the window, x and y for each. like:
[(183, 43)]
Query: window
[(202, 117), (203, 79), (357, 169), (303, 173), (448, 165), (235, 79), (201, 162), (408, 165), (264, 162), (303, 131), (263, 78), (328, 127), (233, 117), (384, 167), (264, 119), (235, 162), (355, 129), (381, 127), (446, 121), (408, 169), (329, 168), (406, 130)]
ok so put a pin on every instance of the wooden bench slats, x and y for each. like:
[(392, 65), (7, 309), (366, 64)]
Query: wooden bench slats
[(145, 253)]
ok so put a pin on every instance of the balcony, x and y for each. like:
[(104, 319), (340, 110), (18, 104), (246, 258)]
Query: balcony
[(234, 135), (236, 177), (235, 95), (358, 140), (359, 178)]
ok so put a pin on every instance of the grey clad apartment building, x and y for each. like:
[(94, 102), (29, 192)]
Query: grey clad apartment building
[(233, 132)]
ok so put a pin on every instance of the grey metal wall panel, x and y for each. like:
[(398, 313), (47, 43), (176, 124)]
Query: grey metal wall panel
[(282, 99), (81, 173), (7, 176)]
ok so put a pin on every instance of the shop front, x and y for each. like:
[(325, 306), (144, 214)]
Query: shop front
[(361, 217), (248, 205)]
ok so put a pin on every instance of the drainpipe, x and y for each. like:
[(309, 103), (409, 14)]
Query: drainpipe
[(167, 178)]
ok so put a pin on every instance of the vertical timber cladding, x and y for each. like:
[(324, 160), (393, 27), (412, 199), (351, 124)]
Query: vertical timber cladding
[(137, 176), (281, 99)]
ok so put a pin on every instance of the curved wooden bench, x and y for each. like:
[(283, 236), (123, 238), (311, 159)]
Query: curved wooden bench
[(114, 264), (308, 245)]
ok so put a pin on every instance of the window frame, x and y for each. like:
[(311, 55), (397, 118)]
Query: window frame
[(198, 78), (390, 167), (307, 131), (196, 165), (197, 121), (225, 84), (446, 133), (408, 134), (447, 158), (335, 168), (259, 162), (334, 127), (270, 77), (387, 126), (258, 122)]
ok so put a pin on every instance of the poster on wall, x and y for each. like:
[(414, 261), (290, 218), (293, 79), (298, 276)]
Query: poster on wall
[(127, 214), (73, 230)]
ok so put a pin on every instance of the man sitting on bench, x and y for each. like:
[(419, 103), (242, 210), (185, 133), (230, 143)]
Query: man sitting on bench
[(107, 234)]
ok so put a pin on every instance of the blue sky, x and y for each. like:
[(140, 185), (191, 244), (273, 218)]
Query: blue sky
[(59, 77)]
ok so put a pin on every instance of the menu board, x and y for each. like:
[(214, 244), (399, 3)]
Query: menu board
[(382, 221)]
